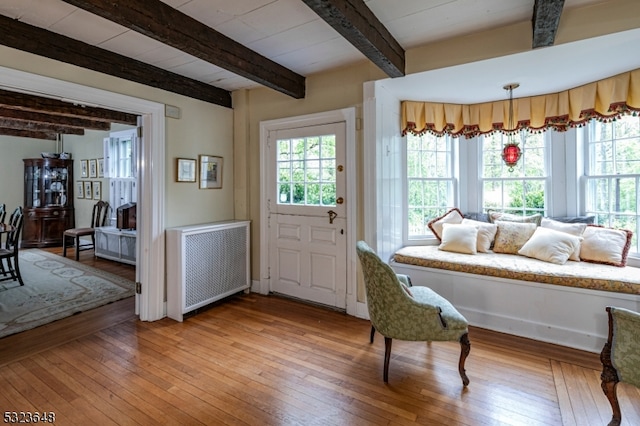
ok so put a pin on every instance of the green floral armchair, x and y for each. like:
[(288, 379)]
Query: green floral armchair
[(620, 356), (400, 311)]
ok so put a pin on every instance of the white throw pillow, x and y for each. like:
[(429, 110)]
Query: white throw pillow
[(570, 228), (550, 245), (459, 238), (605, 245), (452, 216), (486, 234)]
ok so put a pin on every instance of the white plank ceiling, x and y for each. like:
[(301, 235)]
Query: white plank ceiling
[(286, 31)]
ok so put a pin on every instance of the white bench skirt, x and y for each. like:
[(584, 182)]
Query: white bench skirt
[(568, 316)]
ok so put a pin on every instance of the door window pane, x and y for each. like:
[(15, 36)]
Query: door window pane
[(306, 171)]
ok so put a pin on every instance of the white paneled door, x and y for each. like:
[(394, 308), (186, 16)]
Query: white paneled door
[(307, 222)]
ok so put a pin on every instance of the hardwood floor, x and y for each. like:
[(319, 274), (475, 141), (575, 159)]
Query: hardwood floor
[(266, 360)]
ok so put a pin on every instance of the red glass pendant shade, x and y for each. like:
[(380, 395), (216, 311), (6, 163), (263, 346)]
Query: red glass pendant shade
[(511, 154), (511, 151)]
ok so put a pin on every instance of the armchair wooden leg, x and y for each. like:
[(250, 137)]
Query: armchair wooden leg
[(64, 246), (465, 347), (387, 356), (77, 248), (373, 332), (609, 384)]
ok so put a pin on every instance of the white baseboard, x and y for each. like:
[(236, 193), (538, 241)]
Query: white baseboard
[(260, 287)]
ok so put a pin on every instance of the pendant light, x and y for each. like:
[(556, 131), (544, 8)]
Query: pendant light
[(511, 152)]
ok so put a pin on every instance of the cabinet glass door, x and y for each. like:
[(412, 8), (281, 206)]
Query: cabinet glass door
[(55, 186), (32, 186)]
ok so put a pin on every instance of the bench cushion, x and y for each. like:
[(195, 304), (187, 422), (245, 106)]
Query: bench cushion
[(573, 274)]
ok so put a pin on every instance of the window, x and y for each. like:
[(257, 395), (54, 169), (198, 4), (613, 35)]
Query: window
[(120, 154), (120, 166), (521, 191), (431, 184), (609, 188), (307, 171), (612, 192)]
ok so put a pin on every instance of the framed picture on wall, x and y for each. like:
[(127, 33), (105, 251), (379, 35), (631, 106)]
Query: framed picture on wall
[(93, 168), (84, 169), (100, 167), (186, 170), (97, 190), (80, 189), (210, 172), (87, 190)]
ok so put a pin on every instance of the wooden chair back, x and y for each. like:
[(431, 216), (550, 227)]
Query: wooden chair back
[(100, 214)]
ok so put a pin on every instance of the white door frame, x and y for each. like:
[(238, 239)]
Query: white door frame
[(348, 115), (151, 186)]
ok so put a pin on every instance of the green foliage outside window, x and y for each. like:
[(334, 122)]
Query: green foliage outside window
[(307, 171), (521, 191)]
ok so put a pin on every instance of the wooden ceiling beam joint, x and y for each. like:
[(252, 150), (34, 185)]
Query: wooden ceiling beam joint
[(50, 136), (161, 22), (38, 41), (9, 123), (358, 25), (545, 21), (33, 103), (45, 118)]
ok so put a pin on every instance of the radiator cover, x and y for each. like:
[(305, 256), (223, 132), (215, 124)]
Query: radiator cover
[(205, 263)]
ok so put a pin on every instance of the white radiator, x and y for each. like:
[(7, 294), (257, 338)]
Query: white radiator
[(205, 263)]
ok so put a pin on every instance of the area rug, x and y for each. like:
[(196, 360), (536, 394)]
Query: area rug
[(55, 287)]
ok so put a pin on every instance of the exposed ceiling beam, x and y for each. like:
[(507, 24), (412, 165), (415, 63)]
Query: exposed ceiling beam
[(38, 41), (161, 22), (50, 136), (27, 102), (44, 118), (357, 23), (9, 123), (545, 21)]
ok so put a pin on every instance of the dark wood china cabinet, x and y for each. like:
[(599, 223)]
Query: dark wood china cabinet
[(48, 201)]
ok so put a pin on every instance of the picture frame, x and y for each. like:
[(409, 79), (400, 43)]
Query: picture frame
[(100, 167), (185, 170), (93, 168), (79, 189), (88, 191), (97, 190), (84, 168), (210, 172)]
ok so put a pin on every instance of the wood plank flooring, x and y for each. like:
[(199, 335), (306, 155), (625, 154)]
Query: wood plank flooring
[(266, 360)]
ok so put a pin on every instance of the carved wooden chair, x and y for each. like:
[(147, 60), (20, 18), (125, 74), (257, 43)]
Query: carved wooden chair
[(399, 311), (620, 356), (9, 265), (98, 218), (3, 212)]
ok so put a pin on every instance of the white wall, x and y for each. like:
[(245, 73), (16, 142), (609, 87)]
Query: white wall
[(384, 171)]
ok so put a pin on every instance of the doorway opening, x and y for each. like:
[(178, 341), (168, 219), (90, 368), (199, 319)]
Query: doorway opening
[(150, 268)]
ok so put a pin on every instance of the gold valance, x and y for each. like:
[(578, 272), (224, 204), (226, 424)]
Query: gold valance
[(605, 99)]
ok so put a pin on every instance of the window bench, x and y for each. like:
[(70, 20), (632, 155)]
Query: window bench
[(563, 304)]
